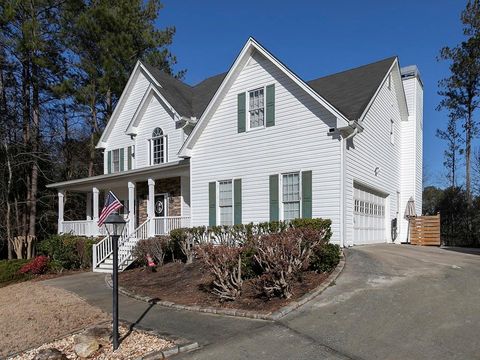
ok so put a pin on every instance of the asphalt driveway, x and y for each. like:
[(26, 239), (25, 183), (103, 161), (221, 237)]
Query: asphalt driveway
[(390, 302)]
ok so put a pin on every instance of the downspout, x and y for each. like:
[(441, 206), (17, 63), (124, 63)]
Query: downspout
[(342, 181)]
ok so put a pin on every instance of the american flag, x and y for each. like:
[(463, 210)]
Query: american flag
[(111, 205)]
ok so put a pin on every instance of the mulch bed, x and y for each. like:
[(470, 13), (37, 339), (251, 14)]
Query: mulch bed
[(190, 285)]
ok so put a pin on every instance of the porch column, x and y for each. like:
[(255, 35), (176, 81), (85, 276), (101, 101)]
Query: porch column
[(95, 230), (151, 207), (131, 207), (61, 196), (89, 206)]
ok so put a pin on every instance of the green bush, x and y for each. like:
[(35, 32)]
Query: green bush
[(315, 224), (9, 271), (325, 258), (68, 251)]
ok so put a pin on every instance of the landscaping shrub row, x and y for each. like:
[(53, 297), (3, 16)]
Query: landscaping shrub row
[(68, 251), (274, 254)]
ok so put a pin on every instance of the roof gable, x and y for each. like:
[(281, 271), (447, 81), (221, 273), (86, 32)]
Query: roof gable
[(350, 91)]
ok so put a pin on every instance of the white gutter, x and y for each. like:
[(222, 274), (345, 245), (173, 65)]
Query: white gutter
[(356, 129)]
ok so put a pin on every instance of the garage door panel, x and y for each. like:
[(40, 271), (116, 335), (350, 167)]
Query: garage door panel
[(369, 216)]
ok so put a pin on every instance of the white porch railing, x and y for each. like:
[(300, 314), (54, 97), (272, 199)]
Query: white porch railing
[(163, 225), (103, 249), (83, 228)]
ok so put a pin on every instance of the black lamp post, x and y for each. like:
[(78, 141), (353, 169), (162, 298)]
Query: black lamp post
[(114, 224)]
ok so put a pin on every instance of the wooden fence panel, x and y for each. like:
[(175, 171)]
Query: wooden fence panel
[(425, 230)]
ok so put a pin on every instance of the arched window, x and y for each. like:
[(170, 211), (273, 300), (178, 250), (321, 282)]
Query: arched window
[(158, 146)]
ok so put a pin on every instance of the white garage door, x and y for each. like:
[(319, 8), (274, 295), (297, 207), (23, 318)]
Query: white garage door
[(368, 215)]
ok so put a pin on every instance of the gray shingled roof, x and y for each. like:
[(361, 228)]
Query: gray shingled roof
[(348, 91)]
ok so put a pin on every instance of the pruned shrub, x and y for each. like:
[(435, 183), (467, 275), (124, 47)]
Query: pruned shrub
[(185, 242), (325, 258), (282, 257), (36, 266), (156, 247), (225, 264), (70, 251)]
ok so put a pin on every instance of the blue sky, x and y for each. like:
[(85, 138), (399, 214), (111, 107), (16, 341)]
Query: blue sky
[(316, 38)]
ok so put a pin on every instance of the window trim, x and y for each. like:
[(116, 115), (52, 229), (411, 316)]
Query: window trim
[(151, 147), (115, 169), (247, 109), (218, 215), (300, 193)]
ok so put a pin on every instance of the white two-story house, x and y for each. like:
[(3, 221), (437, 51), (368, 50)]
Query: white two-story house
[(258, 143)]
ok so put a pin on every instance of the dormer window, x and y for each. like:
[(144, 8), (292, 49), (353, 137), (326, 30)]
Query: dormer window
[(256, 108), (158, 147)]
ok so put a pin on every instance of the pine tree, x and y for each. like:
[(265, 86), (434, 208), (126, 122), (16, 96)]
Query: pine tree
[(452, 137), (106, 38), (461, 90)]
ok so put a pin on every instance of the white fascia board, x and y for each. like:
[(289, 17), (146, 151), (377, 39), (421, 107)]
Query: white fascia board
[(400, 91), (102, 143), (239, 62), (152, 90), (131, 80)]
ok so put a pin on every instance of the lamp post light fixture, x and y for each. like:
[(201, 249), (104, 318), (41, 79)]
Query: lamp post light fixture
[(114, 225)]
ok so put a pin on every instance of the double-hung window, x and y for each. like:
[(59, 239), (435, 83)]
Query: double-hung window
[(256, 108), (158, 147), (225, 202), (291, 196), (116, 160)]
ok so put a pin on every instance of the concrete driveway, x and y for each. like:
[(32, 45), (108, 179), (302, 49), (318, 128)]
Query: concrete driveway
[(390, 302)]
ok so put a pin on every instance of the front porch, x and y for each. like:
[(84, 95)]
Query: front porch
[(156, 200), (158, 196)]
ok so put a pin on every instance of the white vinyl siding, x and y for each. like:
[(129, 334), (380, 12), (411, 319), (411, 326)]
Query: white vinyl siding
[(373, 161), (301, 123), (291, 196), (256, 108), (225, 202), (117, 138), (155, 116), (411, 148)]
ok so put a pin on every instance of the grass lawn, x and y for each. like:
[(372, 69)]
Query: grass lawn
[(9, 272)]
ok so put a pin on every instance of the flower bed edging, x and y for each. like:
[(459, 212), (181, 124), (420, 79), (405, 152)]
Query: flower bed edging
[(273, 316)]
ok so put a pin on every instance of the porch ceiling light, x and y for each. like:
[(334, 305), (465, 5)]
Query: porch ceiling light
[(114, 224)]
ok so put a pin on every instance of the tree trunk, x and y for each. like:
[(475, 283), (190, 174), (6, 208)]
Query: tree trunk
[(35, 150), (468, 151), (26, 135)]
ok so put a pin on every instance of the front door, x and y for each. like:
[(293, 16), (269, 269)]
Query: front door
[(161, 205)]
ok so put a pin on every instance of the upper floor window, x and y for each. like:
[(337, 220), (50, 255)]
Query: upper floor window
[(256, 108), (116, 160), (291, 196), (225, 202), (158, 147)]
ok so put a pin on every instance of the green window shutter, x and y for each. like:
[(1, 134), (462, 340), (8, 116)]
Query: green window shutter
[(122, 159), (241, 115), (212, 203), (129, 158), (109, 162), (270, 102), (274, 210), (307, 194), (237, 201)]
